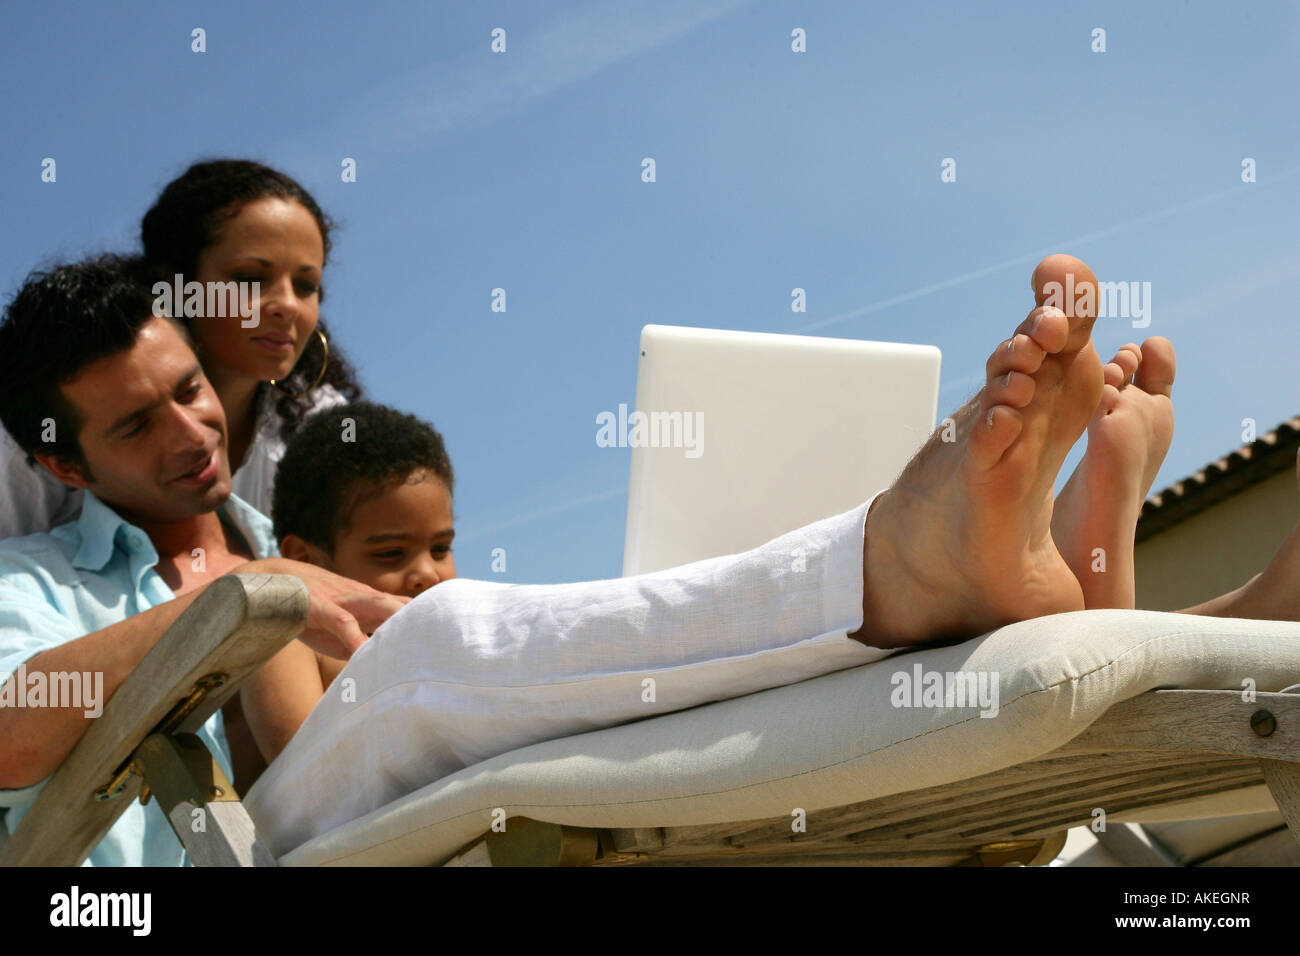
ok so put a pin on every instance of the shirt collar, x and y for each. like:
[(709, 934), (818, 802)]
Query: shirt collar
[(252, 524), (97, 526), (100, 526)]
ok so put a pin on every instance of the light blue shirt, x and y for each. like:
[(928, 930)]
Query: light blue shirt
[(81, 577)]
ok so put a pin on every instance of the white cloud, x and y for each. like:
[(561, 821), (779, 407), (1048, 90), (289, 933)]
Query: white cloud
[(1030, 258), (480, 85)]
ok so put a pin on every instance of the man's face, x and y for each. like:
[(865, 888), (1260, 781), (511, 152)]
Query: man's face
[(153, 433)]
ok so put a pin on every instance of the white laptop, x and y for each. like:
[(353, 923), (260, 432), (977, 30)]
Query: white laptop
[(739, 437)]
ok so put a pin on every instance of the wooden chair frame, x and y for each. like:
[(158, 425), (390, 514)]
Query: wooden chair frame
[(1160, 748), (145, 736)]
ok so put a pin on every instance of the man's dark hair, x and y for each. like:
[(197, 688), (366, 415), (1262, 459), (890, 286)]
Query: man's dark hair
[(60, 321), (345, 453)]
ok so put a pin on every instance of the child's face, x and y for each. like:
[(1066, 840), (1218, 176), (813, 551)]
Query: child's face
[(399, 540)]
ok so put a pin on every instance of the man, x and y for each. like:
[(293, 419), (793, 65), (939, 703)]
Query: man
[(112, 399)]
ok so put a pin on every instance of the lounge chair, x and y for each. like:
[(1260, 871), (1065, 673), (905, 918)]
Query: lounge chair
[(1102, 717)]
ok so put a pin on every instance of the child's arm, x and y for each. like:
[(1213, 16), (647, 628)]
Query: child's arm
[(280, 695), (329, 669)]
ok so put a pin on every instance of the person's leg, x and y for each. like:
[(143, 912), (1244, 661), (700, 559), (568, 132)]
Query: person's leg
[(959, 545), (1095, 516), (1271, 595), (472, 669)]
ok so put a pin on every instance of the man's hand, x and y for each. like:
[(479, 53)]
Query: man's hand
[(343, 612), (35, 740)]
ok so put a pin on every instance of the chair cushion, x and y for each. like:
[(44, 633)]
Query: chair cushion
[(843, 738)]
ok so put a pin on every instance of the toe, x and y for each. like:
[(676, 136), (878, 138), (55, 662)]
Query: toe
[(1156, 375), (991, 435), (1048, 326), (1020, 353), (1119, 371), (1068, 284), (1128, 359), (1109, 398), (1014, 389)]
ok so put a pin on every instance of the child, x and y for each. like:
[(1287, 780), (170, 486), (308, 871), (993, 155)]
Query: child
[(364, 491)]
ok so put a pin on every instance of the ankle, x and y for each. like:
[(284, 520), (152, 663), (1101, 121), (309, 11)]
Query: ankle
[(896, 603), (881, 626)]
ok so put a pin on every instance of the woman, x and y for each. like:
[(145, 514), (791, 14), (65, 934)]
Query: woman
[(223, 221)]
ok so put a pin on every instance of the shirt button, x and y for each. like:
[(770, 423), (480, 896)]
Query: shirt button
[(135, 539)]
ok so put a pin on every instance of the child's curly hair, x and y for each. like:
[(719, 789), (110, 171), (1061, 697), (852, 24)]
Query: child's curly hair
[(344, 453)]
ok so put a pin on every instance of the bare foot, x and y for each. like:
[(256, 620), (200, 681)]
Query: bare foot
[(1271, 595), (962, 544), (1096, 514)]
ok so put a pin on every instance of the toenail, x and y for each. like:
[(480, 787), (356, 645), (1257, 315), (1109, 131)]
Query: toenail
[(1007, 380), (989, 417), (1011, 344)]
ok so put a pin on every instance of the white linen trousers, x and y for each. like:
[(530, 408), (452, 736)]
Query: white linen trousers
[(472, 669)]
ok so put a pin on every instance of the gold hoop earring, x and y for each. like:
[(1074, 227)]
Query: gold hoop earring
[(325, 345)]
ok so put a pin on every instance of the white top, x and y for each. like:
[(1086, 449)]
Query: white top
[(32, 500)]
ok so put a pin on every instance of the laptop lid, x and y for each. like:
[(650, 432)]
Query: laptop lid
[(739, 437)]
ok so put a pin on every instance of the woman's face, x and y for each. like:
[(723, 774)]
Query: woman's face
[(276, 243)]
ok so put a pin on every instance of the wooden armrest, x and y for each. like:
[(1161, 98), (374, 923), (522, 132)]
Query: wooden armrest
[(230, 630), (1216, 721)]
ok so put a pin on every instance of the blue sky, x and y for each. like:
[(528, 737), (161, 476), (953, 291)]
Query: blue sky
[(774, 170)]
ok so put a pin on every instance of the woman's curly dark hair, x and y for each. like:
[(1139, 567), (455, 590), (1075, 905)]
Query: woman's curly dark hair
[(186, 219)]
